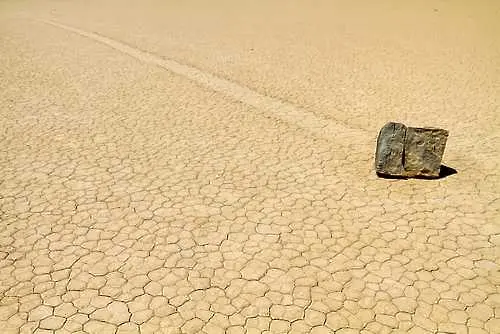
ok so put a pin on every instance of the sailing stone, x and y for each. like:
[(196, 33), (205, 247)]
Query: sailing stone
[(409, 152)]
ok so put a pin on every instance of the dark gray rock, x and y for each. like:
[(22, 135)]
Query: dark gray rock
[(390, 148), (409, 152)]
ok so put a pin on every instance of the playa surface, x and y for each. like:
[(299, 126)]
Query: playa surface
[(207, 167)]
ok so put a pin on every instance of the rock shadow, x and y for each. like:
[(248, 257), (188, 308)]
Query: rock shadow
[(444, 172)]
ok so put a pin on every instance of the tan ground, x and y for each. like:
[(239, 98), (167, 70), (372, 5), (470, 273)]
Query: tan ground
[(206, 166)]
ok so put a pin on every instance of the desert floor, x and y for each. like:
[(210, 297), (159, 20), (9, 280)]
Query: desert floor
[(207, 167)]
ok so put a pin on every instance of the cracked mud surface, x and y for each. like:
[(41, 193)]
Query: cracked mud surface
[(162, 173)]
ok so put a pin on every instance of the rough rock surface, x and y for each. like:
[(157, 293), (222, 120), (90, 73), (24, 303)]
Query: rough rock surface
[(410, 152), (390, 148), (423, 151)]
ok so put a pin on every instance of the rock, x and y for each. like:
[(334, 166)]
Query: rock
[(424, 149), (409, 152), (390, 148)]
